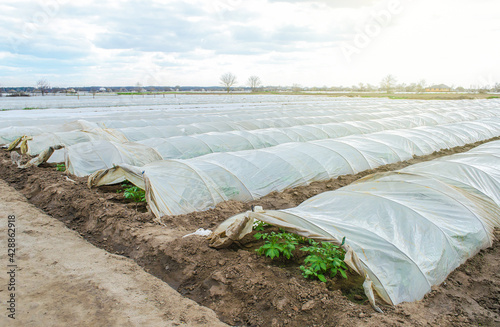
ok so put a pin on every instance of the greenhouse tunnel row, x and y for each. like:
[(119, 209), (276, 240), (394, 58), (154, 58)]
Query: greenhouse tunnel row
[(166, 127), (85, 158), (405, 230), (137, 116), (176, 187), (199, 144)]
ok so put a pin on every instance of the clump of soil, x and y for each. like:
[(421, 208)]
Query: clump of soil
[(242, 287)]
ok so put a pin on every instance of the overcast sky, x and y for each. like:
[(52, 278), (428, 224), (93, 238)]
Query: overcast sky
[(193, 42)]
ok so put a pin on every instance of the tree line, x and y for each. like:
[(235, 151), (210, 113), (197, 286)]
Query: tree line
[(228, 81)]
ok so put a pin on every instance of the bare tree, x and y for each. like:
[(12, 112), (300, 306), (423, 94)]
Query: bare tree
[(254, 82), (421, 86), (496, 88), (388, 83), (297, 88), (138, 87), (228, 80), (43, 85)]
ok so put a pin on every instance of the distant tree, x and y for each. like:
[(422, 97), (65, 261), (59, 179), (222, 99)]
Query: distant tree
[(297, 87), (400, 87), (421, 86), (254, 83), (388, 83), (43, 85), (460, 89), (228, 80), (411, 88), (138, 87), (370, 87), (483, 89), (496, 88)]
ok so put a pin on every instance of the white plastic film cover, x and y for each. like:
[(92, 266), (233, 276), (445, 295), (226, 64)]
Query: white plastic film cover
[(85, 158), (183, 186), (408, 228), (248, 116), (189, 146)]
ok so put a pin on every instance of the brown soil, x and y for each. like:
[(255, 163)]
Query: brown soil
[(62, 280), (241, 287)]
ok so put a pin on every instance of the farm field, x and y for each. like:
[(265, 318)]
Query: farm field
[(241, 287), (139, 101)]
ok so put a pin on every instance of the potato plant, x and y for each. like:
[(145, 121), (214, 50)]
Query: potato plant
[(133, 193), (260, 225), (61, 167), (277, 244), (323, 260)]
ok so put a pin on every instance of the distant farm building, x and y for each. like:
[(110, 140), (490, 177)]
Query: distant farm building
[(438, 88)]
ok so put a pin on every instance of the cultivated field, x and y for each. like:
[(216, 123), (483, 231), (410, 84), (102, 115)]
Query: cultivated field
[(164, 167)]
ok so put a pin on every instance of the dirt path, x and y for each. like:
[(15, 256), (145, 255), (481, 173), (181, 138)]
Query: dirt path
[(62, 280)]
